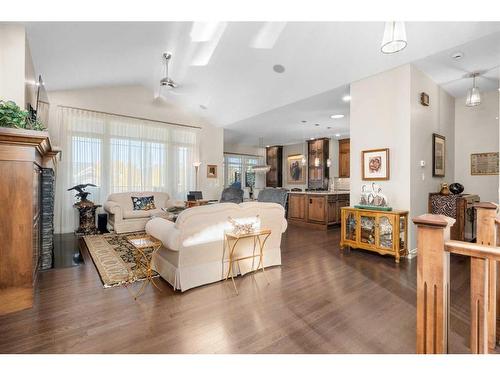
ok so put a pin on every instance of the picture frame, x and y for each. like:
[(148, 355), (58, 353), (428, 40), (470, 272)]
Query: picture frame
[(424, 99), (211, 171), (296, 172), (375, 164), (438, 155), (484, 164)]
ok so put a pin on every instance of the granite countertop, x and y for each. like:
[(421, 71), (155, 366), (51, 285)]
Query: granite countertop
[(335, 192)]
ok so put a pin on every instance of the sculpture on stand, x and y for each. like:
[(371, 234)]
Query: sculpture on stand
[(86, 210)]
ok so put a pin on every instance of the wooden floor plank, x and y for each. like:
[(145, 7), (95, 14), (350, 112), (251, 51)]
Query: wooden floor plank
[(320, 300)]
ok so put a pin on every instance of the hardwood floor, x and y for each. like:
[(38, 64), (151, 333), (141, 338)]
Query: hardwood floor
[(319, 301)]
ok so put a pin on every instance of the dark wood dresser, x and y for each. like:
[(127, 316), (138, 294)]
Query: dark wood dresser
[(22, 154)]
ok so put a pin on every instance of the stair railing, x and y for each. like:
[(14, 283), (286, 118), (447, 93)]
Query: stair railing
[(433, 279)]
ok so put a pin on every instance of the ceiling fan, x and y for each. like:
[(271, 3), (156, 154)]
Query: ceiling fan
[(166, 80)]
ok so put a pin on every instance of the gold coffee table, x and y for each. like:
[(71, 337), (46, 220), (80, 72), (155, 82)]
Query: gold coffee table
[(142, 242), (231, 239)]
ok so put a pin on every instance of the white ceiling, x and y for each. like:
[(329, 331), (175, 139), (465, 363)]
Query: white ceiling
[(481, 55), (238, 86)]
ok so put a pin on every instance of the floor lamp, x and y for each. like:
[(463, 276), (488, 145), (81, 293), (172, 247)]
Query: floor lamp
[(196, 166)]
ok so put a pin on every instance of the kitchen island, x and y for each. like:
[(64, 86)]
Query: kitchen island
[(316, 209)]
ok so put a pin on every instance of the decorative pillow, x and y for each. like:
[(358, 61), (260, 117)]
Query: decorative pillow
[(144, 203)]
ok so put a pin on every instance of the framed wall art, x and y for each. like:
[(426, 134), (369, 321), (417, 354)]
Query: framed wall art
[(484, 164), (438, 155), (375, 164), (211, 171), (296, 171)]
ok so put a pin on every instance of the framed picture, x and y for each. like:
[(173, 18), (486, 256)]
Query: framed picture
[(375, 164), (296, 172), (438, 155), (211, 171), (484, 164)]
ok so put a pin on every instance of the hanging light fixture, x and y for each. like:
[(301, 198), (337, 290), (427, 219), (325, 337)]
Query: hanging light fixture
[(473, 95), (394, 39)]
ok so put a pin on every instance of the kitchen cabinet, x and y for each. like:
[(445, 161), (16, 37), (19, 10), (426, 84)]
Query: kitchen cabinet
[(274, 158), (316, 209), (344, 157)]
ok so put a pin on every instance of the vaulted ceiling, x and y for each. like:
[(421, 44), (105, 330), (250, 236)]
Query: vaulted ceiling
[(227, 73)]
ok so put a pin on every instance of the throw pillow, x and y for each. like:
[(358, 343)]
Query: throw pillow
[(144, 203)]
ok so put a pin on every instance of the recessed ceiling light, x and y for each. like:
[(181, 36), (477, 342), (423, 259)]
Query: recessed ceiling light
[(303, 121), (336, 116), (346, 98), (328, 127), (457, 55), (203, 106), (316, 124), (337, 135), (278, 68)]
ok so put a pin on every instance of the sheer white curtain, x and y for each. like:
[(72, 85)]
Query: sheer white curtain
[(120, 154)]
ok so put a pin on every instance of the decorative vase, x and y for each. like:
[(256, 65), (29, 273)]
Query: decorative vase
[(444, 189), (456, 188)]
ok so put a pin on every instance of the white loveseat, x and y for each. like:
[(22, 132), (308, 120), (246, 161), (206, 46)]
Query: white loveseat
[(193, 253), (122, 216)]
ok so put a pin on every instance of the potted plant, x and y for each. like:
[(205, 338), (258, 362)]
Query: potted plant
[(11, 116)]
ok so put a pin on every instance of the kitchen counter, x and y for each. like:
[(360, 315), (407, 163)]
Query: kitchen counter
[(317, 209)]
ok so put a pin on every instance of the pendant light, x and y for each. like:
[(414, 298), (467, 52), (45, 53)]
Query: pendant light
[(394, 39), (473, 95)]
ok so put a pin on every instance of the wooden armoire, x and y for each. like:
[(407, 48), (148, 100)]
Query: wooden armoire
[(22, 155)]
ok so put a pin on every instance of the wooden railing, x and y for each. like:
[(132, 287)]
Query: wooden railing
[(433, 278)]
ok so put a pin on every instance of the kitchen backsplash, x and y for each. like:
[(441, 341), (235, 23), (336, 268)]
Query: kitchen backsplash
[(341, 183)]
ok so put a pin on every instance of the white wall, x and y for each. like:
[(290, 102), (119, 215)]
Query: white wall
[(438, 117), (386, 113), (138, 101), (380, 118), (12, 63), (476, 131)]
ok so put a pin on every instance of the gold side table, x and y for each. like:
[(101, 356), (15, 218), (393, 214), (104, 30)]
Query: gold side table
[(231, 240), (142, 242)]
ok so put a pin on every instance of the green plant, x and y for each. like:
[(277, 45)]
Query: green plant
[(11, 116)]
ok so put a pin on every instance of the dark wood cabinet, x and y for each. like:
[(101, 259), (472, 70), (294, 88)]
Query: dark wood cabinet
[(344, 157), (274, 158), (318, 210), (318, 172), (22, 153), (297, 206)]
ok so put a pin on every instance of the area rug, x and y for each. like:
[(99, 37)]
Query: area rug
[(114, 258)]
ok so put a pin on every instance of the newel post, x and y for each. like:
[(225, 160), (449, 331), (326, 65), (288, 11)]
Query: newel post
[(483, 287), (433, 265)]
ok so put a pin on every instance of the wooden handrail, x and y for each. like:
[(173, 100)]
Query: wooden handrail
[(433, 274), (473, 250)]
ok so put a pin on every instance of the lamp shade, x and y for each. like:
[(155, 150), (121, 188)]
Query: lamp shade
[(394, 39), (473, 97)]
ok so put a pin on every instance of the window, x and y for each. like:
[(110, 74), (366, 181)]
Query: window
[(121, 154), (238, 168)]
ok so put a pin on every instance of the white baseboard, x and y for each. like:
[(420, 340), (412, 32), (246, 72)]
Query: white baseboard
[(412, 254)]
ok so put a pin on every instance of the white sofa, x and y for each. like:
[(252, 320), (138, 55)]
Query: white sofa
[(122, 216), (193, 253)]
